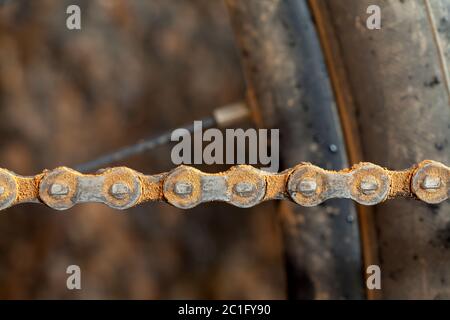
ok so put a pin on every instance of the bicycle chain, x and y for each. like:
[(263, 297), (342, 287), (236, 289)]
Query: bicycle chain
[(243, 186)]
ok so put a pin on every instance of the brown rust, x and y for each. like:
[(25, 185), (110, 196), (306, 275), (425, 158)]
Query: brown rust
[(183, 174), (127, 177), (28, 188), (307, 171), (9, 187), (265, 186), (400, 183), (250, 175), (61, 175), (275, 185), (431, 169), (152, 188), (380, 175)]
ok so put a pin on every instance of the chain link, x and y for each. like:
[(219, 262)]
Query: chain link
[(243, 186)]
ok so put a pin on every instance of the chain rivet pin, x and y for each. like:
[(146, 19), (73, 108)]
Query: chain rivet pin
[(244, 189), (119, 190), (307, 186), (58, 189), (431, 183), (183, 188), (369, 185)]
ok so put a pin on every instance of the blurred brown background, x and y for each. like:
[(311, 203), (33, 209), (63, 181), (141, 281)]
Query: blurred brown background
[(135, 69)]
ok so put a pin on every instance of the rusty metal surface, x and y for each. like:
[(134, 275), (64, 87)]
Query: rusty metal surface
[(243, 186), (398, 81)]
